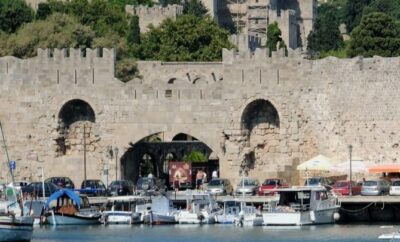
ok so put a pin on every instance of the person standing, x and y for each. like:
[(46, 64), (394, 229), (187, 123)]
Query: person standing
[(214, 174), (199, 179), (204, 178)]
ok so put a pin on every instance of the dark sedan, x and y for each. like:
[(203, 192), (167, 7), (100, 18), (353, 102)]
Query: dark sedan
[(35, 189), (120, 188), (93, 188)]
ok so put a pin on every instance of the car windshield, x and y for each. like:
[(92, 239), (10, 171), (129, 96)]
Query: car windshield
[(271, 182), (215, 183), (396, 183), (116, 183), (145, 181), (313, 181), (370, 183), (341, 184), (247, 183), (90, 184)]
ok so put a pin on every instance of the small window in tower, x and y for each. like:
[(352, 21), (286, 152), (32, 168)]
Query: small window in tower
[(168, 93)]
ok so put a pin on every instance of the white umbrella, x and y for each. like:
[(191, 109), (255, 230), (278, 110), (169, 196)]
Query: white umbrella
[(317, 163), (357, 166)]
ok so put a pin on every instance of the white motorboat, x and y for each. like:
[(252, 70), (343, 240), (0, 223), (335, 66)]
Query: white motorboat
[(303, 206), (124, 210), (71, 209), (16, 224), (162, 211), (200, 209), (248, 216), (231, 209)]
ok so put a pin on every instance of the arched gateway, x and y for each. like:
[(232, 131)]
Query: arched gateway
[(152, 155)]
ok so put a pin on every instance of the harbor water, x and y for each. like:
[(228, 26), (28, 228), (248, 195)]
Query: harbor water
[(205, 233)]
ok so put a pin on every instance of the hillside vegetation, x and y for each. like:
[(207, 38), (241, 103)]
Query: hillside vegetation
[(101, 23), (373, 27)]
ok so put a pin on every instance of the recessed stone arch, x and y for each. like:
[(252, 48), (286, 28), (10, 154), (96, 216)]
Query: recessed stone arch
[(76, 120), (76, 110), (260, 124)]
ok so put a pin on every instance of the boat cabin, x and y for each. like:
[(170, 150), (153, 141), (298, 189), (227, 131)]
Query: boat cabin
[(302, 199)]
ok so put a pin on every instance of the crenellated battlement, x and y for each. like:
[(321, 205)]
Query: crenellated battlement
[(259, 55), (99, 54), (63, 66), (153, 15)]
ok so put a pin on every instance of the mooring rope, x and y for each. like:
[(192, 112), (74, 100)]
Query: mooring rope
[(358, 210)]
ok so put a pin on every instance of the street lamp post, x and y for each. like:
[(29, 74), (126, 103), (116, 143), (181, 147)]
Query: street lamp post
[(351, 185), (116, 162)]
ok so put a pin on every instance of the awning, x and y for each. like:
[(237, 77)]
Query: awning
[(318, 163), (64, 192), (385, 168), (359, 166)]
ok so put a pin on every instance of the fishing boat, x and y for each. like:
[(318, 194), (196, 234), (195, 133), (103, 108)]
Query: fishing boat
[(16, 224), (303, 206), (200, 209), (71, 209), (162, 211), (124, 210)]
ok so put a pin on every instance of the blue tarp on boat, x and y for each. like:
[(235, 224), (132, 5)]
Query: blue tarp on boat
[(64, 192)]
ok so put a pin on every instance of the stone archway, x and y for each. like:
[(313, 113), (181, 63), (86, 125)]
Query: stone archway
[(260, 126), (161, 152), (75, 128)]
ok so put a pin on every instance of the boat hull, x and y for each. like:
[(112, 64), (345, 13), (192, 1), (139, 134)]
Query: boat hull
[(193, 218), (66, 219), (155, 219), (17, 229), (325, 216), (120, 217)]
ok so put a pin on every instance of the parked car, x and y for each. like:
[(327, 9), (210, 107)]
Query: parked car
[(61, 181), (20, 184), (150, 185), (270, 184), (375, 187), (120, 188), (395, 187), (219, 186), (93, 187), (35, 189), (342, 188), (247, 186), (318, 181)]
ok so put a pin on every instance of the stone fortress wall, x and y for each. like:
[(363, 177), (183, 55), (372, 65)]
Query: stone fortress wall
[(153, 15), (273, 112)]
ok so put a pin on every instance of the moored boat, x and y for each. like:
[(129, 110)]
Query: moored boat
[(124, 210), (162, 211), (71, 209), (200, 209), (303, 206), (16, 224)]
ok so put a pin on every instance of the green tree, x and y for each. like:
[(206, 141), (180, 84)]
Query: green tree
[(326, 35), (195, 156), (353, 12), (377, 34), (194, 7), (274, 38), (134, 31), (189, 38), (43, 11), (13, 14), (126, 69), (57, 31), (170, 2)]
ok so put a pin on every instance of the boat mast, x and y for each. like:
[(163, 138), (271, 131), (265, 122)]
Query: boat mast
[(5, 149)]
